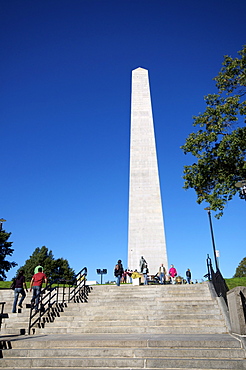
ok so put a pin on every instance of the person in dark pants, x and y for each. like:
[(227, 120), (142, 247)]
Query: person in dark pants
[(145, 274), (36, 286), (118, 271), (20, 286), (162, 274), (188, 276)]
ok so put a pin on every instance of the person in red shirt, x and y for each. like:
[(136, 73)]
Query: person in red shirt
[(36, 286)]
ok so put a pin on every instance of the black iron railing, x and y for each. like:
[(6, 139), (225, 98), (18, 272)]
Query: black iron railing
[(1, 312), (55, 297), (217, 279)]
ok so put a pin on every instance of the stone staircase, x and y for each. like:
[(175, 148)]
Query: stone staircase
[(131, 327), (183, 309)]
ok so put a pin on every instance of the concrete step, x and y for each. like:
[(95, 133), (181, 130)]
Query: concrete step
[(223, 353), (140, 295), (159, 289), (97, 368), (182, 329), (130, 322), (134, 330), (162, 316), (155, 307), (70, 315), (167, 299), (133, 341), (161, 313), (110, 311), (15, 331), (152, 305), (152, 289), (121, 362), (21, 314), (156, 287)]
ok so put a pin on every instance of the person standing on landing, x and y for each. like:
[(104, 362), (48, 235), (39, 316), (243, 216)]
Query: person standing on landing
[(118, 271), (145, 274), (188, 276), (20, 286), (173, 273), (36, 286), (162, 274)]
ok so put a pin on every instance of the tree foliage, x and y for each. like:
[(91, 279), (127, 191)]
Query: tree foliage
[(53, 268), (241, 269), (220, 143), (5, 250)]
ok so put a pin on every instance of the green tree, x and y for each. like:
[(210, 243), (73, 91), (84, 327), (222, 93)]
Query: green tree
[(61, 269), (5, 250), (53, 268), (241, 269), (220, 143)]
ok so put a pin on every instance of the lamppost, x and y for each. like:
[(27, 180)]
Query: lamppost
[(212, 236), (242, 186), (102, 272), (1, 223)]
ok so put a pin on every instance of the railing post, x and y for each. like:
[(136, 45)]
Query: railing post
[(57, 293), (1, 314), (209, 267), (49, 304), (40, 307), (63, 293), (212, 236)]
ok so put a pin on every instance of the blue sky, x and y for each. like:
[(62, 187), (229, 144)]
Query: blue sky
[(65, 124)]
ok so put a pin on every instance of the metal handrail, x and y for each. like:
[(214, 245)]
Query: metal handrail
[(53, 299), (1, 312), (78, 294), (217, 279)]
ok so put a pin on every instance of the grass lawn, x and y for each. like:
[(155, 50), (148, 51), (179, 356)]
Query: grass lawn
[(6, 284), (233, 282)]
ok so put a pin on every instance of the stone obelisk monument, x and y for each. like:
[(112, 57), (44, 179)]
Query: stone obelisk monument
[(146, 235)]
